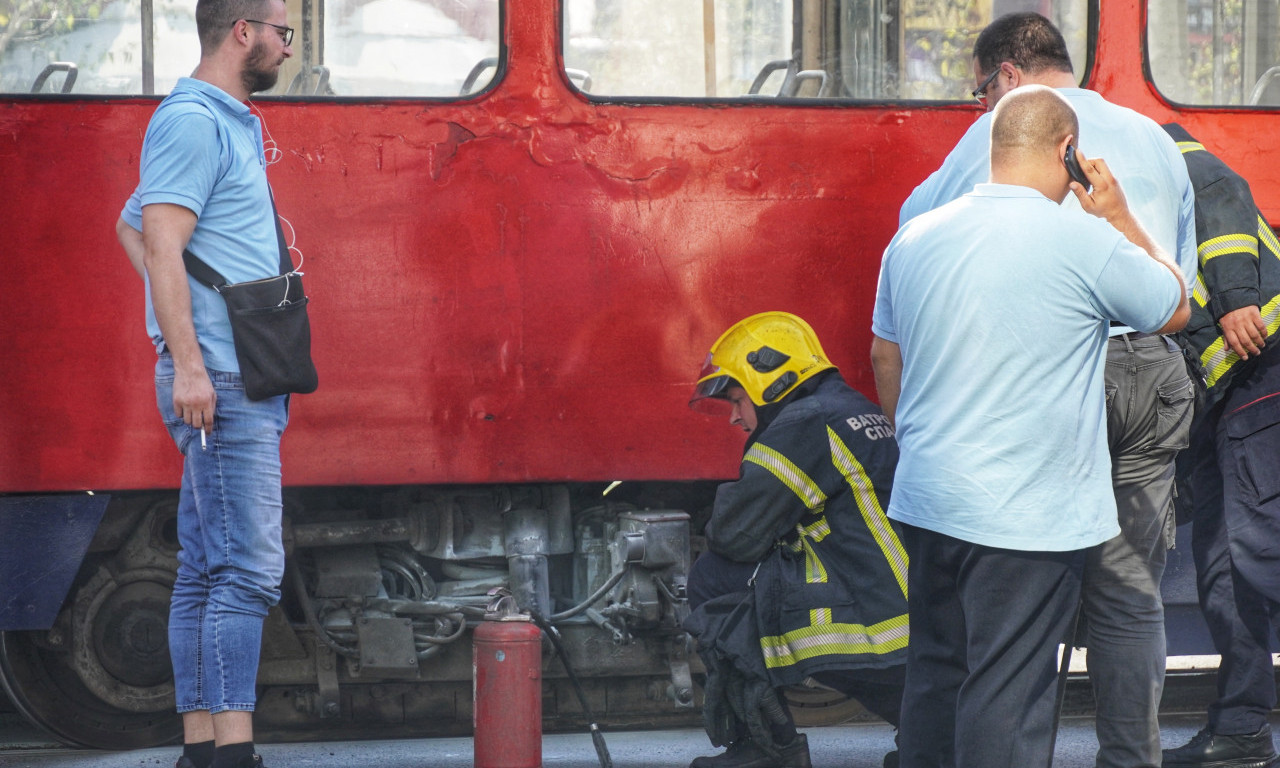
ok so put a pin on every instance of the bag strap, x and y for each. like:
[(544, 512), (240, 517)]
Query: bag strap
[(286, 261), (210, 277)]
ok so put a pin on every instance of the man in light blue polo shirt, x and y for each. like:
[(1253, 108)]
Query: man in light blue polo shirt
[(1149, 394), (990, 323), (183, 155), (204, 187)]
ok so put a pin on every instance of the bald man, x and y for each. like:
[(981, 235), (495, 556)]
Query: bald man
[(990, 328)]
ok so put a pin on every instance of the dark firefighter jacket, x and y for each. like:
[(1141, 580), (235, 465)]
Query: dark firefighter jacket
[(814, 484), (1239, 262)]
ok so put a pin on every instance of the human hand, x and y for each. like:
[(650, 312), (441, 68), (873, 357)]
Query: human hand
[(1105, 199), (194, 399), (718, 717), (762, 710), (1244, 331)]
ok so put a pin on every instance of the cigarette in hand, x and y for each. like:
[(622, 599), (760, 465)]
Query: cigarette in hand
[(203, 442)]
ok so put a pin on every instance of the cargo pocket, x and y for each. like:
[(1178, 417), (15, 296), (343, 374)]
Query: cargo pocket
[(1255, 431), (1174, 407)]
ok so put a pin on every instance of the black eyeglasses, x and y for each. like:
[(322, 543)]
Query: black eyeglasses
[(286, 33), (980, 93)]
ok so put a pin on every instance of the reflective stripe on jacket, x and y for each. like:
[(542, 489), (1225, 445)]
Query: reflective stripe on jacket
[(1239, 261), (815, 484)]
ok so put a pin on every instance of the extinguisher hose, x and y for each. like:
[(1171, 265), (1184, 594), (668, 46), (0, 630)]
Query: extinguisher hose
[(609, 584), (597, 737)]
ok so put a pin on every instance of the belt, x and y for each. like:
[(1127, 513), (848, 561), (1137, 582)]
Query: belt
[(1131, 335), (1135, 335)]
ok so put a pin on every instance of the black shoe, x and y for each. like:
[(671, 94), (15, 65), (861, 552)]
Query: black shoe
[(185, 762), (745, 753), (252, 761), (1209, 750), (891, 759)]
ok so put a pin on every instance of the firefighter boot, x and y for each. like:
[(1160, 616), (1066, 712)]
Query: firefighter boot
[(745, 753), (1209, 750)]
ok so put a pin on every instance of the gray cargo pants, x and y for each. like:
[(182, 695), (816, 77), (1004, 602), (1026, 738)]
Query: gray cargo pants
[(1150, 399)]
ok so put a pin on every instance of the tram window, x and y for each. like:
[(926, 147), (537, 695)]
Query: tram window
[(361, 48), (1215, 52), (410, 47), (757, 49), (101, 39)]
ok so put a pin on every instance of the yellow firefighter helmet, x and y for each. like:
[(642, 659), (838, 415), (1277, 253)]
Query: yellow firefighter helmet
[(768, 355)]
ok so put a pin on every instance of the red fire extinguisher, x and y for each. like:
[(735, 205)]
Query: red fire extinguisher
[(507, 690)]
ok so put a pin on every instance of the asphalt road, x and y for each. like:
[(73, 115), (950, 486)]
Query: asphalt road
[(848, 746)]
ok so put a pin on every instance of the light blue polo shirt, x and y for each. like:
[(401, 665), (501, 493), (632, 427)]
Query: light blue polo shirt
[(1138, 152), (203, 151), (1000, 301)]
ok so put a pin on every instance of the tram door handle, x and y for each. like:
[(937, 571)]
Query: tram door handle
[(580, 78), (792, 81), (58, 66), (489, 62), (801, 78), (768, 69), (1260, 87), (321, 73)]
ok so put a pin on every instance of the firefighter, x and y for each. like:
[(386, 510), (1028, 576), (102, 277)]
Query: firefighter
[(804, 577), (1229, 473)]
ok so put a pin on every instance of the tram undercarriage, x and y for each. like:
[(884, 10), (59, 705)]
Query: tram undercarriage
[(371, 637)]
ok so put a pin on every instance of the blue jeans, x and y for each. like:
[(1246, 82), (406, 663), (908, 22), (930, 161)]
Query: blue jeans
[(231, 558)]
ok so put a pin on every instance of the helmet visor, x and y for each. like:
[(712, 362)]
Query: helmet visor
[(709, 392), (713, 387)]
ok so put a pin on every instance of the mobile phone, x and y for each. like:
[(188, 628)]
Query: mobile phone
[(1073, 167)]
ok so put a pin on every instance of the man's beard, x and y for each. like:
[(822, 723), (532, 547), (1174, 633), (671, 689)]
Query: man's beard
[(258, 74)]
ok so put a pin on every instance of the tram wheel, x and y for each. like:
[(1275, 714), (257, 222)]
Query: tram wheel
[(100, 677), (813, 707), (45, 688)]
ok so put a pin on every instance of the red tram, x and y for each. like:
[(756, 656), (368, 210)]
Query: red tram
[(513, 284)]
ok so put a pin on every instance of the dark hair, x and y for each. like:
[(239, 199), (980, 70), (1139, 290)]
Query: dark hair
[(214, 19), (1027, 40)]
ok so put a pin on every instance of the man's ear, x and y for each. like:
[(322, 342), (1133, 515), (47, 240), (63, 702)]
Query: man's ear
[(1015, 74), (240, 31), (1069, 140)]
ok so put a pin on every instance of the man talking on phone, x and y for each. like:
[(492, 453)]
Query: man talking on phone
[(1148, 392), (988, 357)]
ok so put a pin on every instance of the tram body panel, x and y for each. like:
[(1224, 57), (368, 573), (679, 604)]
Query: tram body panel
[(530, 295)]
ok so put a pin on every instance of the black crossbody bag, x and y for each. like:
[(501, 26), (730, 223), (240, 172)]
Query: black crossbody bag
[(269, 325)]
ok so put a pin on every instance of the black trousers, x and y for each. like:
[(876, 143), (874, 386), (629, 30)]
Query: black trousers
[(1233, 472), (986, 624), (878, 690)]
